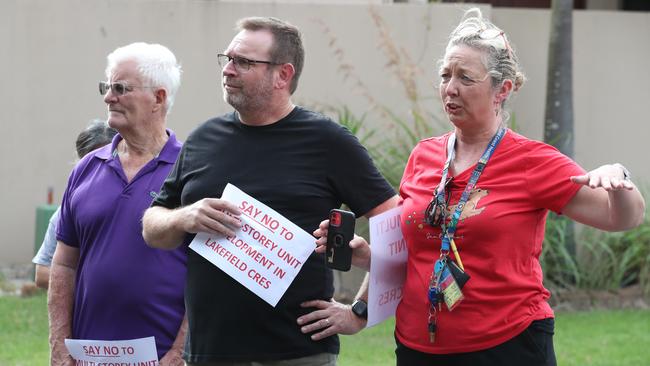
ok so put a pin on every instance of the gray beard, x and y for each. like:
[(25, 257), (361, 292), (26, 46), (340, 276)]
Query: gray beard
[(244, 103), (253, 100)]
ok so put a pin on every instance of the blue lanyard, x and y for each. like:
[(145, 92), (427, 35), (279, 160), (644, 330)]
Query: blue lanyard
[(450, 229)]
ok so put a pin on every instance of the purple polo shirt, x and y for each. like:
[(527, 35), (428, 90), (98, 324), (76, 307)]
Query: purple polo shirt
[(123, 288)]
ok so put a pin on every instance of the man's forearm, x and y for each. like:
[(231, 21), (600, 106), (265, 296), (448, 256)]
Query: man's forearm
[(160, 230), (175, 353), (179, 342), (59, 303), (42, 276)]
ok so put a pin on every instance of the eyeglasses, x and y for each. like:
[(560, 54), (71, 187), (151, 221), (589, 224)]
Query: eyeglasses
[(242, 64), (436, 212), (119, 87), (492, 33)]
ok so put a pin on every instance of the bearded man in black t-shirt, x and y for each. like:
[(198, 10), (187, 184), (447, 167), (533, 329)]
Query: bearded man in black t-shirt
[(299, 163)]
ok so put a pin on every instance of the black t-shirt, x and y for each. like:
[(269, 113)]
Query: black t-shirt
[(301, 166)]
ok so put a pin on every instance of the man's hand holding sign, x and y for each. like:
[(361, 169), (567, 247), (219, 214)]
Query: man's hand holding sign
[(264, 253), (208, 215)]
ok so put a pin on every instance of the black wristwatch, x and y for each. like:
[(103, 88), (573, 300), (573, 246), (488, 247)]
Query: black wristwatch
[(360, 309)]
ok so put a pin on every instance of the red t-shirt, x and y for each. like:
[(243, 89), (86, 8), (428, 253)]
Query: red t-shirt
[(499, 237)]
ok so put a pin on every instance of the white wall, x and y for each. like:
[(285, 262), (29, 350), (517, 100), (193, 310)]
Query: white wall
[(54, 55)]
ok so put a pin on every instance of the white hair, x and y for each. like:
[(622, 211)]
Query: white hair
[(499, 58), (156, 65)]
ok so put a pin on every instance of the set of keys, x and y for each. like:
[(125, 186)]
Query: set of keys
[(435, 295), (436, 298), (432, 326), (443, 288)]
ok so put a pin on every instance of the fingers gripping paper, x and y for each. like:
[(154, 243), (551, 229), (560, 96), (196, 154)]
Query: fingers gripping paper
[(266, 253)]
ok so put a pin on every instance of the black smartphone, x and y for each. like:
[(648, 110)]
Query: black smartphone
[(338, 254)]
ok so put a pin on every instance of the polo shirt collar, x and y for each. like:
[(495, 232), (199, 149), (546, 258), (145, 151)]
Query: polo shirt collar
[(167, 154)]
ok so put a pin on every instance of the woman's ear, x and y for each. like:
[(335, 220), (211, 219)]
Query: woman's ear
[(504, 91)]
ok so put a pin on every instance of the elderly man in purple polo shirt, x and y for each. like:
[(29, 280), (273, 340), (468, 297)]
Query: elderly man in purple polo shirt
[(106, 283)]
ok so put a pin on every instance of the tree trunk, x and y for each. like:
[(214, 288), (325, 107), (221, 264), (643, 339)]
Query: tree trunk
[(558, 121)]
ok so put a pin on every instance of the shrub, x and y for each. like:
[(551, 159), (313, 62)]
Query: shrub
[(604, 260)]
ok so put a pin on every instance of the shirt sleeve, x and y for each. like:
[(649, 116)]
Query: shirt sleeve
[(548, 173), (353, 174), (172, 188), (410, 167), (46, 252), (65, 228)]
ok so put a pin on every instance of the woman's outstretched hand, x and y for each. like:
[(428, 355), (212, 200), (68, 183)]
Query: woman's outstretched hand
[(611, 177)]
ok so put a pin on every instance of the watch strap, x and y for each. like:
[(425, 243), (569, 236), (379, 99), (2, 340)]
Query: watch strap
[(360, 309)]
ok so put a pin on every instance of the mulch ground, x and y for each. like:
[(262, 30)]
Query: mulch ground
[(631, 297)]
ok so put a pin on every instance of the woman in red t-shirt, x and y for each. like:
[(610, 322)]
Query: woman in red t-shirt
[(475, 201)]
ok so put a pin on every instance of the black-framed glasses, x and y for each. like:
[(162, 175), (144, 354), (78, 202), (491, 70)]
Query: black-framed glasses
[(118, 87), (242, 64), (436, 212)]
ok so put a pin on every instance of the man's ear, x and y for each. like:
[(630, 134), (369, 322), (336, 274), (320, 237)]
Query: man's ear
[(161, 99), (285, 76)]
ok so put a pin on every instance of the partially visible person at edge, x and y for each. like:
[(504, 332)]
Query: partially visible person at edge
[(106, 283), (298, 162), (507, 183), (96, 135)]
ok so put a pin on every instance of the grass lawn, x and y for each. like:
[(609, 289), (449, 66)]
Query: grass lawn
[(603, 338), (23, 331), (597, 338)]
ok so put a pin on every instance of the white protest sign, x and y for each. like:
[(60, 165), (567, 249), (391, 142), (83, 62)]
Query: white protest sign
[(387, 265), (266, 253), (134, 352)]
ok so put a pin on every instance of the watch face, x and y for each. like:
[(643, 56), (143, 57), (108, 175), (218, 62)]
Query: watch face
[(360, 309)]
